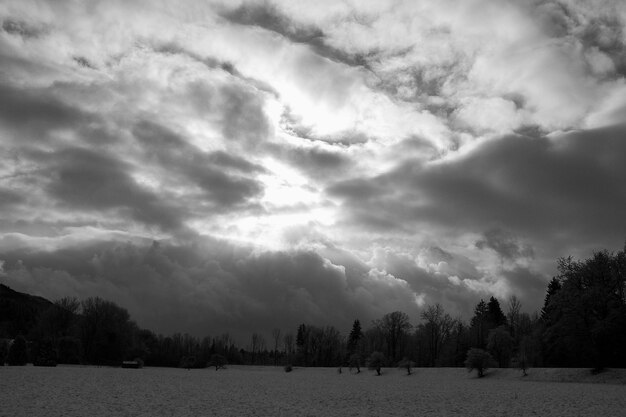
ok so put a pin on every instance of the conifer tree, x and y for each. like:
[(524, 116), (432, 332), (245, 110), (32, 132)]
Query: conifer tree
[(355, 336), (495, 314), (553, 287)]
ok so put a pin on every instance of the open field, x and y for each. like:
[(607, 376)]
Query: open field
[(268, 391)]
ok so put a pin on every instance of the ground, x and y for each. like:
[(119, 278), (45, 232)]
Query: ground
[(269, 391)]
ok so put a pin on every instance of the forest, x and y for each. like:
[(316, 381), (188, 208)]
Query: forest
[(582, 324)]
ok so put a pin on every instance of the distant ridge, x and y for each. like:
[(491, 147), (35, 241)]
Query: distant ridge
[(19, 312)]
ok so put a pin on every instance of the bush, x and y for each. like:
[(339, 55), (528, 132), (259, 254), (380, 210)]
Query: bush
[(4, 351), (478, 359), (288, 368), (355, 362), (375, 362), (218, 361), (521, 362), (69, 350), (18, 354), (407, 364), (44, 353)]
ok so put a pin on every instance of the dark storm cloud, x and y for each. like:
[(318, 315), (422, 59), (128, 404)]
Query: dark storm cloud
[(569, 186), (10, 198), (243, 117), (240, 109), (360, 189), (83, 62), (604, 32), (82, 179), (21, 28), (238, 163), (504, 244), (211, 286), (36, 110), (607, 34), (319, 159), (267, 16), (529, 286), (207, 171)]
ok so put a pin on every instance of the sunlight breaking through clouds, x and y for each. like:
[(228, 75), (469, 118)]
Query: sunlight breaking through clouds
[(380, 153)]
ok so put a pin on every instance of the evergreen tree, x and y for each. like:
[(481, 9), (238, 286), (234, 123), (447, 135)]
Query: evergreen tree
[(302, 344), (355, 336), (586, 318), (300, 336), (479, 325), (495, 314), (553, 288)]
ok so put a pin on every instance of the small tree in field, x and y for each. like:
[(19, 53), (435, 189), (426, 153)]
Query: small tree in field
[(521, 363), (478, 359), (4, 351), (407, 364), (18, 354), (218, 361), (355, 362), (375, 362)]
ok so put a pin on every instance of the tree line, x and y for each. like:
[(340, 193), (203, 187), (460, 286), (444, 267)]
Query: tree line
[(582, 324)]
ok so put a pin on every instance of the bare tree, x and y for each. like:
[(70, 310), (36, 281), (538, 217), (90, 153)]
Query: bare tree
[(276, 336), (513, 316), (288, 342), (258, 345), (407, 364), (395, 327), (439, 324), (354, 362), (218, 361)]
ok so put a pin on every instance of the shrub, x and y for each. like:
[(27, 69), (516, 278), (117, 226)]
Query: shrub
[(288, 368), (355, 362), (44, 353), (69, 350), (4, 351), (521, 362), (218, 361), (407, 364), (375, 362), (18, 354), (478, 359)]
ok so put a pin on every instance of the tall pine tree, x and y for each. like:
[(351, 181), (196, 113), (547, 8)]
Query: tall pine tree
[(495, 314), (553, 287), (355, 336)]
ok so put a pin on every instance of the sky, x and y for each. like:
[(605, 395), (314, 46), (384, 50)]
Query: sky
[(240, 166)]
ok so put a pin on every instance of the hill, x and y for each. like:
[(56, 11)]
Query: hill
[(19, 312)]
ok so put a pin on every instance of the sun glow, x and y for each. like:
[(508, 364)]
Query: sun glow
[(292, 211)]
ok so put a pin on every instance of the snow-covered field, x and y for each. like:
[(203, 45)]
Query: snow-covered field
[(268, 391)]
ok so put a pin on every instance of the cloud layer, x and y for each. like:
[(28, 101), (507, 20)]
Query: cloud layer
[(311, 162)]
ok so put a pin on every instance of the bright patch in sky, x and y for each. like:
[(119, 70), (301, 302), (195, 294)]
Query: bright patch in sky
[(314, 161)]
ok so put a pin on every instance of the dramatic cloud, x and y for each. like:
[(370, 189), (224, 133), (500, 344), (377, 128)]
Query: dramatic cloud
[(318, 161), (213, 286)]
